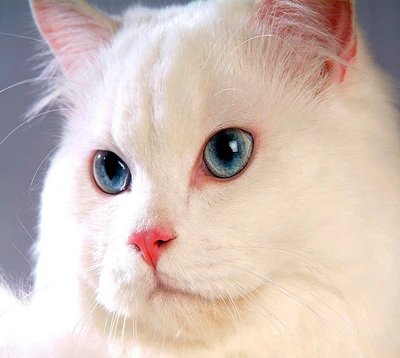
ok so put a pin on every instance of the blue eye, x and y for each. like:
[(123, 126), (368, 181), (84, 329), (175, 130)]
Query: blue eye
[(111, 174), (227, 153)]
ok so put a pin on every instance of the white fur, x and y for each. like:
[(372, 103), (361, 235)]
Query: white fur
[(297, 257)]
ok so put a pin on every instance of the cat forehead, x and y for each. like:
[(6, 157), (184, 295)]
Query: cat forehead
[(175, 80), (191, 13)]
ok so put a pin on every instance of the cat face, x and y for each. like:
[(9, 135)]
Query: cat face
[(155, 96), (158, 117)]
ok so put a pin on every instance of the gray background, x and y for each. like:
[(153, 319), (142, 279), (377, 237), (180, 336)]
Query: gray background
[(24, 150)]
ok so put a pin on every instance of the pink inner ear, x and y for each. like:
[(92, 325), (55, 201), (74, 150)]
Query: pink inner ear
[(73, 30), (337, 15), (341, 18)]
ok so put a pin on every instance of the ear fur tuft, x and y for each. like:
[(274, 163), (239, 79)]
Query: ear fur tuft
[(332, 17)]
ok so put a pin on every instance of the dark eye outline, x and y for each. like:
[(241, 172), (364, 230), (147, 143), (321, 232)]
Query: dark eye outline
[(211, 171), (98, 180)]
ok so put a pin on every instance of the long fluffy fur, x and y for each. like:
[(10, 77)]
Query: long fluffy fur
[(299, 256)]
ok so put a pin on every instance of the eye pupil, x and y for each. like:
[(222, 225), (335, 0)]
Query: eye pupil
[(228, 152), (111, 174), (112, 167), (224, 149)]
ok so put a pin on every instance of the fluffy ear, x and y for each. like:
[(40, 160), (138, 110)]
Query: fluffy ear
[(73, 29), (331, 22)]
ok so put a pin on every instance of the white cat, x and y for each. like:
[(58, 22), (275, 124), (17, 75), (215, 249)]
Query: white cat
[(228, 185)]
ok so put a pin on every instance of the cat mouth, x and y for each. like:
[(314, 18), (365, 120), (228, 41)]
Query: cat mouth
[(163, 287)]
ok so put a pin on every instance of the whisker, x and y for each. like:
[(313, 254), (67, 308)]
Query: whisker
[(113, 326), (92, 303), (19, 251), (241, 44), (252, 39), (163, 343), (30, 80), (135, 331), (110, 326), (318, 268), (30, 119), (234, 306), (22, 37), (212, 49), (37, 170), (123, 332), (116, 328), (19, 220), (106, 321), (235, 323), (284, 291), (247, 296), (86, 317), (293, 254), (229, 89), (302, 258), (111, 334), (245, 22), (264, 308)]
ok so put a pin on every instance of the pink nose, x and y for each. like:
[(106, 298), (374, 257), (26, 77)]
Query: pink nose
[(149, 243)]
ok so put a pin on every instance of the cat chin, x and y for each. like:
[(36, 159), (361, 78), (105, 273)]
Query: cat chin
[(159, 312), (167, 316)]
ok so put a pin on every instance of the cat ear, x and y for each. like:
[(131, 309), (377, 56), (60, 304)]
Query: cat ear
[(73, 29), (311, 18)]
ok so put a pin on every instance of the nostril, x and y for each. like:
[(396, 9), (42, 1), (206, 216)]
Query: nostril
[(160, 242), (136, 247)]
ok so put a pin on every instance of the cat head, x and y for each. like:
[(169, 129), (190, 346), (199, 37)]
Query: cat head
[(199, 155)]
